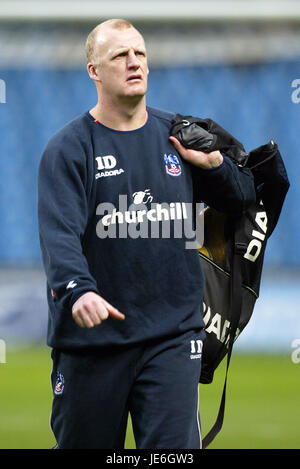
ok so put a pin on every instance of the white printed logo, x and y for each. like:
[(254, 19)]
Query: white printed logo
[(215, 324), (157, 212), (71, 284), (142, 197), (255, 245), (106, 162), (105, 165), (196, 349)]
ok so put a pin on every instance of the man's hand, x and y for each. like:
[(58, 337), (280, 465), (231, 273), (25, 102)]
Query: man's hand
[(197, 157), (91, 309)]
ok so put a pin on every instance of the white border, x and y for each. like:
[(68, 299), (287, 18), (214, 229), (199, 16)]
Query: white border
[(154, 10)]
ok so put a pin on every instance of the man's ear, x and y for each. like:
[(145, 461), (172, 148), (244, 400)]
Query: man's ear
[(92, 71)]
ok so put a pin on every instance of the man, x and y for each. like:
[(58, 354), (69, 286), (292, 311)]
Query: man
[(125, 302)]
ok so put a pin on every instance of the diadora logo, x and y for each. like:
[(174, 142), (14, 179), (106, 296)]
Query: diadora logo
[(71, 284), (196, 349), (217, 325), (105, 165), (258, 240)]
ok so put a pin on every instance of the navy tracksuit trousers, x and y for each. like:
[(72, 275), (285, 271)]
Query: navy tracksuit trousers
[(157, 383)]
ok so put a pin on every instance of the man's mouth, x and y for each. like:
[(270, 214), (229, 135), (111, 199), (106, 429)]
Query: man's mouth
[(136, 77)]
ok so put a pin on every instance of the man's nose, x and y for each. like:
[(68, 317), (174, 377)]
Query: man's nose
[(132, 60)]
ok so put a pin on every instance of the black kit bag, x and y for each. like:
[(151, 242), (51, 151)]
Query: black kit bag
[(232, 253)]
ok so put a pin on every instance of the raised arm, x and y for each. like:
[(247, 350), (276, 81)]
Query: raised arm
[(219, 182)]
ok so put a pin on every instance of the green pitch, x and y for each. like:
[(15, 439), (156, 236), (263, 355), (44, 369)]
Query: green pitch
[(262, 410)]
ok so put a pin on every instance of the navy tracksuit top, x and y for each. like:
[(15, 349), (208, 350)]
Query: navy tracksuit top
[(104, 200)]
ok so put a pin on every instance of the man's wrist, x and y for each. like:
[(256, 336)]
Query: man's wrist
[(216, 159), (214, 165)]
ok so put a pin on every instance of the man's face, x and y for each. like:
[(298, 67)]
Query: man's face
[(121, 63)]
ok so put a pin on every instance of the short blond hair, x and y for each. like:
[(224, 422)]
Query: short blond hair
[(114, 23)]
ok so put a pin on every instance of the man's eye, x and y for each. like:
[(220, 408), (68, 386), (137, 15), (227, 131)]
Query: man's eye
[(122, 54)]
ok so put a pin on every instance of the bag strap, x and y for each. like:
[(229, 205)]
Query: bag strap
[(235, 307)]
